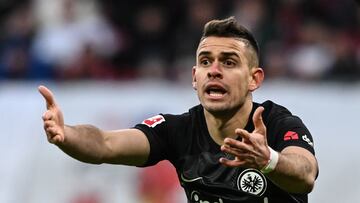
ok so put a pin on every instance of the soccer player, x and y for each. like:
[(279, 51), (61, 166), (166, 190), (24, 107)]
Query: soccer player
[(226, 149)]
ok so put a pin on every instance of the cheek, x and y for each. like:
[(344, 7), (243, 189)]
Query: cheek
[(241, 85), (197, 81), (198, 77)]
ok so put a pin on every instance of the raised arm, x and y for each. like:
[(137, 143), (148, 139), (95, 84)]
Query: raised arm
[(295, 169), (90, 144)]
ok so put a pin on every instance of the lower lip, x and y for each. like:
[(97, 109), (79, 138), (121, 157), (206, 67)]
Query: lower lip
[(216, 97)]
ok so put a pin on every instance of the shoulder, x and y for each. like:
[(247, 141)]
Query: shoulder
[(285, 129), (277, 113), (279, 120), (274, 109), (168, 124), (168, 134), (184, 118)]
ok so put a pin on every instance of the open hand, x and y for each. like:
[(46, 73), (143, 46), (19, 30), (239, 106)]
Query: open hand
[(252, 151), (53, 118)]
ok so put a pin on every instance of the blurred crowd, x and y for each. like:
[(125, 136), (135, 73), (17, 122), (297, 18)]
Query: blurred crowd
[(310, 40)]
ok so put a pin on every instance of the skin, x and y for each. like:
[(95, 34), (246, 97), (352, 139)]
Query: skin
[(89, 144), (224, 82)]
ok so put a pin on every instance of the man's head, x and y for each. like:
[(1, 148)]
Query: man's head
[(226, 70), (230, 28)]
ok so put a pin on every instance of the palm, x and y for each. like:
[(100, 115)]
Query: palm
[(252, 151)]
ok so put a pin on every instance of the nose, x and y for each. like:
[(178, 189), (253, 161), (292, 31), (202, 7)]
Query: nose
[(215, 70)]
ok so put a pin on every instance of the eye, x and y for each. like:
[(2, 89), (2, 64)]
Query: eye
[(205, 62), (229, 63)]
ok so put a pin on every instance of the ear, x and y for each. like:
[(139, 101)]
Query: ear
[(256, 79), (194, 78)]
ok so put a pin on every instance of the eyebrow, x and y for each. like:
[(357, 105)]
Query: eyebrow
[(205, 53), (226, 54)]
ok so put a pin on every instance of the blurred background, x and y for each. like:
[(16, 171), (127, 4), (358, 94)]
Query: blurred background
[(115, 63)]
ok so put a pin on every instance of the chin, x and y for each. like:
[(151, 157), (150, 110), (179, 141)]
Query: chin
[(217, 108), (221, 108)]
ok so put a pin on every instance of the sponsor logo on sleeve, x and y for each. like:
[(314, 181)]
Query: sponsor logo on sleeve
[(291, 135), (154, 121), (306, 139)]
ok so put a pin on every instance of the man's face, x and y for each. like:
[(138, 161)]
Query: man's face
[(222, 76)]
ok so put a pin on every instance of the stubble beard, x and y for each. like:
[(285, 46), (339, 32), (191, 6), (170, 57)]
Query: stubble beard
[(225, 109)]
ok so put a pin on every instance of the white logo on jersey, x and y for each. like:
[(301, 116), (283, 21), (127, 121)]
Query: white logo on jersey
[(252, 181), (195, 196), (306, 139), (154, 121)]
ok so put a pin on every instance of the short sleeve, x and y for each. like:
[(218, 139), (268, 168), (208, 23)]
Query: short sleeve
[(291, 131), (155, 129)]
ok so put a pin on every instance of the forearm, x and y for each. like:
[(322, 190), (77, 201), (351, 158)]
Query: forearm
[(294, 173), (89, 144), (85, 143)]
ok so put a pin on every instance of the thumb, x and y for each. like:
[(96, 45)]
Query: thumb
[(258, 121), (48, 96)]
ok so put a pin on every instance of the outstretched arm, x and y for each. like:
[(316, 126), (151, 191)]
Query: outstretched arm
[(296, 168), (88, 143)]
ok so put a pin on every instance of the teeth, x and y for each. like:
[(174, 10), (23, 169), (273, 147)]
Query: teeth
[(216, 94)]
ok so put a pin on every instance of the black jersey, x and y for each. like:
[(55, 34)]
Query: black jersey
[(184, 140)]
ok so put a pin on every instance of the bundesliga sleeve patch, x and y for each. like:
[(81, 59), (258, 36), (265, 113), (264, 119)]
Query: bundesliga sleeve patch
[(154, 121)]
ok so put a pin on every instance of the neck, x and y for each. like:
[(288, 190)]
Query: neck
[(221, 127)]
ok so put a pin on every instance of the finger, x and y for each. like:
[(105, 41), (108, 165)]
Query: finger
[(232, 151), (246, 162), (241, 146), (49, 123), (48, 95), (52, 131), (48, 115), (231, 163), (238, 154), (53, 135), (244, 134), (258, 121), (235, 163), (56, 139)]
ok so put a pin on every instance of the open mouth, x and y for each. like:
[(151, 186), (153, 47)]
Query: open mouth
[(215, 91)]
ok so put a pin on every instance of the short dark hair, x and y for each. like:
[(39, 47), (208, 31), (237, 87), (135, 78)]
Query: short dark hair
[(230, 28)]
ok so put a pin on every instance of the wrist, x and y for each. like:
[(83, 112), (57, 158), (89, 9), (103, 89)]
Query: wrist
[(272, 162)]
